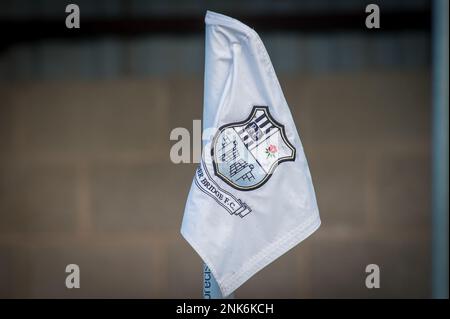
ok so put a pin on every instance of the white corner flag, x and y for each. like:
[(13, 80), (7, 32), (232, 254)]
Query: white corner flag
[(252, 197)]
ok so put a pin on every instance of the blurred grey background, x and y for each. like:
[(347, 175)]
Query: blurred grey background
[(85, 174)]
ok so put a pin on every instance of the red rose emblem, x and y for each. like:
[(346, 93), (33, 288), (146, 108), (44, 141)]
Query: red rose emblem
[(272, 149)]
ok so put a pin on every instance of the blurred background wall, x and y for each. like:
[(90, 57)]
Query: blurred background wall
[(85, 173)]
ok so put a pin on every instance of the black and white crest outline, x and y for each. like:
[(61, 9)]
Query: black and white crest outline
[(245, 154)]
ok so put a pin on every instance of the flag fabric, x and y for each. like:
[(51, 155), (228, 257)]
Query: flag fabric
[(252, 197)]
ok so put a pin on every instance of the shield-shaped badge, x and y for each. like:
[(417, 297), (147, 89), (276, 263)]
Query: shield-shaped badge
[(245, 154)]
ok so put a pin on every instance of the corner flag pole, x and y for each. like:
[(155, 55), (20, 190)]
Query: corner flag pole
[(440, 151)]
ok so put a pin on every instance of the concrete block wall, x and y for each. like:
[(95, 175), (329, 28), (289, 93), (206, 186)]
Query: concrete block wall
[(85, 178)]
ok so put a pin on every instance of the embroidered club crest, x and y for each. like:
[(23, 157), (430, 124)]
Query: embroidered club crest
[(246, 154)]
